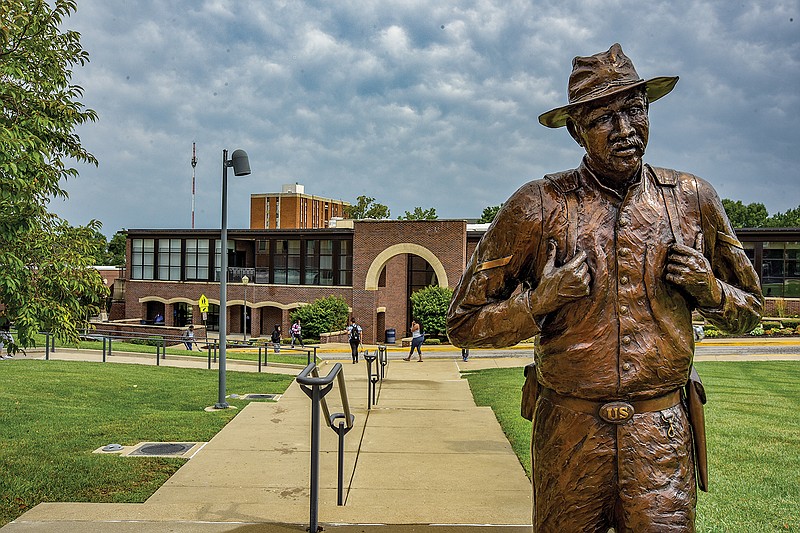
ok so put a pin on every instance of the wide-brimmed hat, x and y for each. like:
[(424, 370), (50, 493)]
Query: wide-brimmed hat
[(602, 75)]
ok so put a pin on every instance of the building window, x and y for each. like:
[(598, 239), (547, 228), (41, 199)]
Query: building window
[(420, 274), (212, 318), (345, 263), (780, 269), (142, 258), (218, 256), (326, 262), (311, 270), (197, 256), (169, 259), (287, 262)]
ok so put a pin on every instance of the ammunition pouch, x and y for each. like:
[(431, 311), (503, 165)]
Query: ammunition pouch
[(695, 399), (530, 392)]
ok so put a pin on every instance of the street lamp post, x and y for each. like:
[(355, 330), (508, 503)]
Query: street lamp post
[(241, 167), (245, 281)]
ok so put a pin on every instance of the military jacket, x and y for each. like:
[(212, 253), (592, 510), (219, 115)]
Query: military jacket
[(632, 336)]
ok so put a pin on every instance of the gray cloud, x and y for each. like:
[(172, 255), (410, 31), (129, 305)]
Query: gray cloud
[(415, 103)]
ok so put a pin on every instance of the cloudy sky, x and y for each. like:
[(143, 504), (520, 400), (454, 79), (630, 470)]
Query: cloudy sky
[(414, 102)]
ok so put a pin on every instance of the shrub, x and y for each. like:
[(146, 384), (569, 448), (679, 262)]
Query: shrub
[(712, 332), (432, 342), (322, 316), (757, 331), (429, 307), (149, 341), (771, 325), (791, 323)]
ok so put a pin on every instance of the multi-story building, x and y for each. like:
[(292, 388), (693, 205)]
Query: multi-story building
[(375, 265), (292, 208), (293, 256)]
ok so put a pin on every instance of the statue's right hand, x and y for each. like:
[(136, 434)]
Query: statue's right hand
[(559, 285)]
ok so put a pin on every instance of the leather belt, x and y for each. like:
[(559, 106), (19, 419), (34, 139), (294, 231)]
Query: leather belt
[(615, 411)]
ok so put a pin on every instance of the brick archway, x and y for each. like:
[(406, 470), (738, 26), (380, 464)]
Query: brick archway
[(374, 272)]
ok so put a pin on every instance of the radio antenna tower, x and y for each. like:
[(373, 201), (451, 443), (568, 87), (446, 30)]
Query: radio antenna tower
[(194, 164)]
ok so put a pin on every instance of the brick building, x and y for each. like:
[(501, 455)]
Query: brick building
[(293, 256), (374, 265), (292, 208)]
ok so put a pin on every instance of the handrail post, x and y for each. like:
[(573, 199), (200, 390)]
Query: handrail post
[(104, 348), (316, 388), (371, 380), (47, 346), (259, 359)]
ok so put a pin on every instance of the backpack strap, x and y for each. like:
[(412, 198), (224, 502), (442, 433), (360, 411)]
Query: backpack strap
[(567, 183), (668, 181)]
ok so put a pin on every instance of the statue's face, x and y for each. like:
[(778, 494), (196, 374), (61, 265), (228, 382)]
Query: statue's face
[(614, 131)]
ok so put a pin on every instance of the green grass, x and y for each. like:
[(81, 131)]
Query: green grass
[(753, 439), (53, 414)]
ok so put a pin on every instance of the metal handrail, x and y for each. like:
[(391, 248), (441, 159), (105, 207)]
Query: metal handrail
[(319, 387)]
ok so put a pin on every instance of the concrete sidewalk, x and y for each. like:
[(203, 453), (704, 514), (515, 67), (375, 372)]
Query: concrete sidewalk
[(425, 454)]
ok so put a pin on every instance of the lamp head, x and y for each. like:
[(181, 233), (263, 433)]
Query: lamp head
[(240, 163)]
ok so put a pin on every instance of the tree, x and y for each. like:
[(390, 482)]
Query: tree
[(489, 213), (429, 308), (46, 279), (420, 214), (789, 219), (116, 249), (322, 316), (367, 207), (745, 216)]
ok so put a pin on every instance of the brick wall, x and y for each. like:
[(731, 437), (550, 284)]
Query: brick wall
[(446, 239)]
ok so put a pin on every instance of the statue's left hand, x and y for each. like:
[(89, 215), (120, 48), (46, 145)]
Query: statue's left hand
[(689, 269)]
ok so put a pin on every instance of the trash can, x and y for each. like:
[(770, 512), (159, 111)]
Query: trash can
[(391, 336)]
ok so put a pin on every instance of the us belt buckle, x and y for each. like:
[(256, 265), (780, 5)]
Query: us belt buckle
[(616, 412)]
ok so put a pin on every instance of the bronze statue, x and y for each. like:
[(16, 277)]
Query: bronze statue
[(606, 263)]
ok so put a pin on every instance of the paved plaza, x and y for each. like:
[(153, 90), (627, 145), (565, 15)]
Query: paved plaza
[(424, 457)]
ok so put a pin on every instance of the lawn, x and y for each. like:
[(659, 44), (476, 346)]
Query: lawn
[(53, 414), (753, 438)]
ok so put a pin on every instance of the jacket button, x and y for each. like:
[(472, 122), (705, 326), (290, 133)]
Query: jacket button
[(626, 340), (623, 309), (626, 366), (624, 280)]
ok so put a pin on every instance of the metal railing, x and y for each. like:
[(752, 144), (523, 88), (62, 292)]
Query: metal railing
[(316, 388), (381, 359)]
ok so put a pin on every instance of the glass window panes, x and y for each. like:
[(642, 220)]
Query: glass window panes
[(169, 259), (197, 259), (142, 258)]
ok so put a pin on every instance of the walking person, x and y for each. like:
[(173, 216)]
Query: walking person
[(6, 339), (354, 333), (276, 339), (417, 338), (297, 333), (187, 337)]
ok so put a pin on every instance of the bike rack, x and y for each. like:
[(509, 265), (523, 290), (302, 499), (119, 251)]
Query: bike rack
[(316, 388)]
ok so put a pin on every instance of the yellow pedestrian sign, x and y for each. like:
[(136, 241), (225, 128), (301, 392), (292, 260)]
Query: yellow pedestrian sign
[(202, 303)]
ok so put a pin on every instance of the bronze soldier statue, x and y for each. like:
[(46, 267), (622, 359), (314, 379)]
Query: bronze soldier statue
[(606, 263)]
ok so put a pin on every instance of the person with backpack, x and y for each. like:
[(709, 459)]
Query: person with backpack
[(276, 339), (417, 338), (297, 334), (354, 335)]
